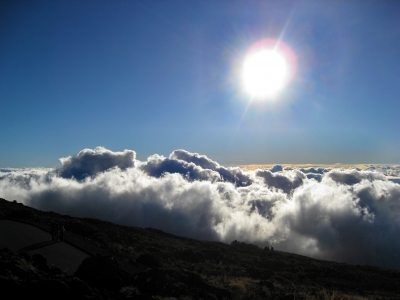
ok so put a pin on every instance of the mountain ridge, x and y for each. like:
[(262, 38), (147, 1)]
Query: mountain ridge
[(160, 265)]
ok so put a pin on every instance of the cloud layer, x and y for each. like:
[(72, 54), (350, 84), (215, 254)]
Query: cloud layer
[(350, 216)]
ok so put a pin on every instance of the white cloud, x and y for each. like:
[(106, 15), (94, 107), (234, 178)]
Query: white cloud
[(287, 181), (89, 162), (350, 216), (232, 174)]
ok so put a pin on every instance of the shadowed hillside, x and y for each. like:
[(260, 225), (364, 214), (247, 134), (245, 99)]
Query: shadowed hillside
[(145, 263)]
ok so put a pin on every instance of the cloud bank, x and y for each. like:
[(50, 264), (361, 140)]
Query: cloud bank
[(349, 216)]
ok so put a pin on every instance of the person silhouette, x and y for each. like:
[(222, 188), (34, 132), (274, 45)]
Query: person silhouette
[(61, 230), (56, 230), (53, 231)]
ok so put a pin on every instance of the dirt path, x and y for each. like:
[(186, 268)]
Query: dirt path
[(21, 237)]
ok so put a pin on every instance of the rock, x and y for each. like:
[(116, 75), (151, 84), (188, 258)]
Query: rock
[(6, 251), (152, 281), (40, 262), (80, 290), (12, 264), (54, 271), (195, 284), (101, 272), (149, 260), (48, 289)]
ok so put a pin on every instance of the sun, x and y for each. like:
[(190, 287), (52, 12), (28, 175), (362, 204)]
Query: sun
[(266, 70), (264, 73)]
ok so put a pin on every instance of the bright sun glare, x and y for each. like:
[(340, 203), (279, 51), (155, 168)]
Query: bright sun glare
[(265, 71)]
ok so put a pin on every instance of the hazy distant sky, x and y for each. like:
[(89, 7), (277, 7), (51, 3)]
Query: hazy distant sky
[(155, 76)]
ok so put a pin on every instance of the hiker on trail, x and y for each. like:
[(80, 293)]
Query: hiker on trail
[(54, 231), (57, 230), (61, 230)]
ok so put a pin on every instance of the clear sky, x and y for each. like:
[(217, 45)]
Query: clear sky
[(155, 76)]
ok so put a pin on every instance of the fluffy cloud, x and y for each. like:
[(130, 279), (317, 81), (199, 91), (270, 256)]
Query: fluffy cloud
[(234, 175), (157, 166), (315, 173), (351, 216), (287, 181), (351, 177), (314, 170), (90, 162), (317, 177)]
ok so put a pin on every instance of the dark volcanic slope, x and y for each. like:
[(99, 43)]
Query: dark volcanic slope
[(158, 265)]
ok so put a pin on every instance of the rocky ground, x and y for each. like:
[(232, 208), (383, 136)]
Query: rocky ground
[(137, 263)]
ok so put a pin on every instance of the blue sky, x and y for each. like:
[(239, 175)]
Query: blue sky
[(155, 76)]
